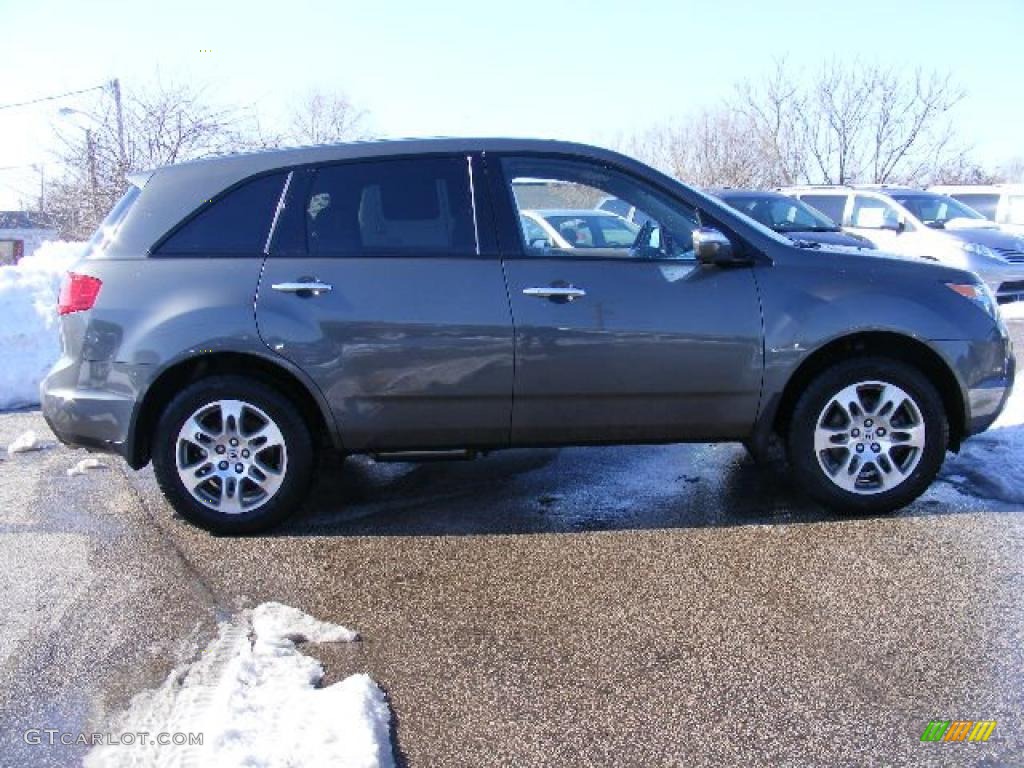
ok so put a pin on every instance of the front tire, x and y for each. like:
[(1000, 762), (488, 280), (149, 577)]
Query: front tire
[(868, 436), (232, 455)]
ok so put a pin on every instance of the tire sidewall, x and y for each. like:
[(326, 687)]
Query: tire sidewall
[(297, 440), (800, 443)]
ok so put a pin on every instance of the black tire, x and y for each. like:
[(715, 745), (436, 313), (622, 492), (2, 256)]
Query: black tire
[(805, 464), (297, 470)]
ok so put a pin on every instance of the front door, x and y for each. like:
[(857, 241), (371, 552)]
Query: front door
[(378, 287), (621, 336)]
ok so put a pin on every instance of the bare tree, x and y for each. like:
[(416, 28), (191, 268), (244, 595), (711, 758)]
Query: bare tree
[(325, 118), (852, 122), (710, 148), (161, 125), (1012, 170)]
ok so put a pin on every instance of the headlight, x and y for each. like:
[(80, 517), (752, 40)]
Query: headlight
[(977, 249), (979, 294)]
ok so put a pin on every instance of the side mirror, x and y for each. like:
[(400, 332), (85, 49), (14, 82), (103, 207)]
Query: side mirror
[(712, 247)]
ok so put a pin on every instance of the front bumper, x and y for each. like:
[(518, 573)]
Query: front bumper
[(986, 371)]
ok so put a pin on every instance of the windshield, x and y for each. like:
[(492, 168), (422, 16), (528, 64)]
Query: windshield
[(104, 234), (594, 231), (935, 210), (782, 214)]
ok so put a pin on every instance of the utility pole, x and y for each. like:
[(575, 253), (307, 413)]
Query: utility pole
[(115, 87), (91, 156)]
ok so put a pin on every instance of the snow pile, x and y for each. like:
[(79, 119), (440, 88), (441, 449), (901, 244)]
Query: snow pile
[(25, 442), (991, 465), (85, 465), (255, 699), (1013, 311), (29, 335)]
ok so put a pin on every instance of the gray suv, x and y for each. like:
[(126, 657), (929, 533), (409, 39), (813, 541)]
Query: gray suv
[(236, 315)]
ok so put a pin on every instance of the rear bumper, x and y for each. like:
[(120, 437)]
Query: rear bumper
[(91, 405)]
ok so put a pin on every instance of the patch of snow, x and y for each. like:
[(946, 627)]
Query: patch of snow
[(85, 465), (255, 699), (25, 442), (29, 331), (1013, 311), (991, 465)]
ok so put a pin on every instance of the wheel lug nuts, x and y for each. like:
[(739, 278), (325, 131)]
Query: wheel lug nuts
[(855, 433), (860, 447), (245, 454), (223, 465), (876, 447), (234, 441), (239, 468), (880, 432), (220, 449), (868, 423)]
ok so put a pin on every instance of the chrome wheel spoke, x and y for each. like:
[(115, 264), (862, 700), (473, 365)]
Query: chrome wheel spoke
[(231, 456), (869, 437)]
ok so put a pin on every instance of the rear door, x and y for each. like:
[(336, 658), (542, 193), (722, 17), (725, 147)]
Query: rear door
[(625, 344), (383, 284)]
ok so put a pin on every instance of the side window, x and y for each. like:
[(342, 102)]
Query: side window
[(571, 197), (410, 206), (234, 224), (831, 205), (986, 205), (871, 213), (533, 233), (616, 206)]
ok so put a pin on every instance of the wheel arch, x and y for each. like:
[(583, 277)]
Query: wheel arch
[(175, 377), (877, 344)]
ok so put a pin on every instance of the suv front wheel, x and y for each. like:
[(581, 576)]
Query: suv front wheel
[(868, 436), (232, 455)]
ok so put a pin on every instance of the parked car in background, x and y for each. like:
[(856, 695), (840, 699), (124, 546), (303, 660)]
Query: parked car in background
[(630, 213), (790, 217), (1001, 203), (237, 315), (576, 228), (915, 222)]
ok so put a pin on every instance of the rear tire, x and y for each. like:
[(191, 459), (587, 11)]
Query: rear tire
[(868, 436), (232, 455)]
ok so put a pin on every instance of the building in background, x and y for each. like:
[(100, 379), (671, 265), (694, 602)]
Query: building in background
[(21, 232)]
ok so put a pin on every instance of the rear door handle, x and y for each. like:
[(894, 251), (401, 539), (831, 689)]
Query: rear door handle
[(567, 293), (311, 286)]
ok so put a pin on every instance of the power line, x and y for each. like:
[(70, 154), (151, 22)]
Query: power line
[(54, 98)]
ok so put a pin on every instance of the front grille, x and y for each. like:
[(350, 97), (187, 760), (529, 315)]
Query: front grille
[(1011, 255)]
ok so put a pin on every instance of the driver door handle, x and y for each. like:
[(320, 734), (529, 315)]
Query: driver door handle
[(313, 287), (568, 293)]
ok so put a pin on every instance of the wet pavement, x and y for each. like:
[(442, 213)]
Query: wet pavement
[(647, 606)]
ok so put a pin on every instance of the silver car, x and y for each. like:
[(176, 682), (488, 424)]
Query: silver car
[(915, 222)]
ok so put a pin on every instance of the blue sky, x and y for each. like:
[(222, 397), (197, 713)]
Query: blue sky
[(587, 71)]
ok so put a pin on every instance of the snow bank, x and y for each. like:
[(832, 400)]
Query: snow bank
[(991, 465), (255, 699), (25, 442), (1014, 311), (29, 337)]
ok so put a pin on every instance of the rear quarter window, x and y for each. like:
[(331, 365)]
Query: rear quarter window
[(235, 224)]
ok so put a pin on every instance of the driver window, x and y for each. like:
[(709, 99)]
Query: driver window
[(573, 204)]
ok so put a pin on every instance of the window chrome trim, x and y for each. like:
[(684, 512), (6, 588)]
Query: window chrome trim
[(472, 200), (277, 212)]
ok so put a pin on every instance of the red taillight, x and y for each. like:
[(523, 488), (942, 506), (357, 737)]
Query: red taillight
[(78, 293)]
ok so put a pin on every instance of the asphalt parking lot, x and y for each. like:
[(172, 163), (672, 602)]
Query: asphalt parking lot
[(643, 606)]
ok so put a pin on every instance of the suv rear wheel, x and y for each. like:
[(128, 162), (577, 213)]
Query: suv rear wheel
[(232, 455), (868, 436)]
